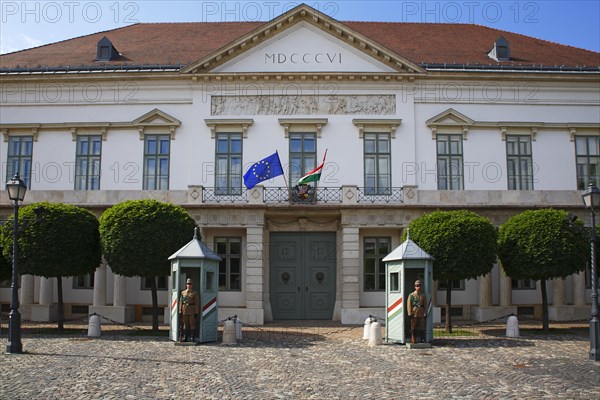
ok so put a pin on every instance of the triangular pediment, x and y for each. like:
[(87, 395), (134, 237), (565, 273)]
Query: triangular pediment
[(303, 40), (156, 117), (450, 117)]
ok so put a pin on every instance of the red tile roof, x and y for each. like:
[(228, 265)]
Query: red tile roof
[(184, 43)]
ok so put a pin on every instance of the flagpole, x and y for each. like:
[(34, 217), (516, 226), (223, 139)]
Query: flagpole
[(323, 164), (317, 182), (284, 179)]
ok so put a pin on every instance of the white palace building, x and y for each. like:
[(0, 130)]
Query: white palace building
[(415, 117)]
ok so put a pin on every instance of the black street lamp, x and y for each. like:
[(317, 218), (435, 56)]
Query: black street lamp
[(16, 189), (591, 199)]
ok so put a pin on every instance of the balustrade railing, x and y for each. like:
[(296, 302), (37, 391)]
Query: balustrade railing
[(385, 195), (217, 195), (305, 195)]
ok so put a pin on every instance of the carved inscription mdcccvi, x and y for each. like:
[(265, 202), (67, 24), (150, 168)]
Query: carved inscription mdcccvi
[(304, 105)]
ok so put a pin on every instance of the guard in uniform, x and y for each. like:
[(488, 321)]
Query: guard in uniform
[(189, 308), (417, 312)]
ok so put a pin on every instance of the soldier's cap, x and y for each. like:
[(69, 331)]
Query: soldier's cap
[(417, 282), (188, 281)]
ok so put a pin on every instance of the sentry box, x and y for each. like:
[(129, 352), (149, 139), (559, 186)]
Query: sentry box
[(197, 262), (404, 265)]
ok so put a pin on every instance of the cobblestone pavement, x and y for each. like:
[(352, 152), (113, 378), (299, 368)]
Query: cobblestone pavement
[(299, 363)]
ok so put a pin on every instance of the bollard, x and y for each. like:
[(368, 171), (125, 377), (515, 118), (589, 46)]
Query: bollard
[(375, 334), (367, 328), (229, 332), (238, 329), (512, 326), (94, 329)]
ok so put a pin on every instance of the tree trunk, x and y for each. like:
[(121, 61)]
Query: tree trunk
[(545, 324), (154, 304), (448, 306), (61, 308)]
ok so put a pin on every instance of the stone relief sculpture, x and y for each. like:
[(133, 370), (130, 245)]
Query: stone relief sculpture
[(304, 105)]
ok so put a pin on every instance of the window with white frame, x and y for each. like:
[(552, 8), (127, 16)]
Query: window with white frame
[(230, 266), (228, 174), (374, 250), (450, 162), (524, 284), (456, 285), (587, 152), (156, 162), (85, 281), (19, 158), (161, 283), (87, 162), (519, 162), (378, 163), (303, 155)]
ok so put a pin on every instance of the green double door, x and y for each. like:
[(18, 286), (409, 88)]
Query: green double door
[(302, 275)]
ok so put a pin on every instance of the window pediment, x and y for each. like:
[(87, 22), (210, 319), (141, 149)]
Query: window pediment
[(452, 119), (377, 125), (156, 121), (302, 125), (222, 125)]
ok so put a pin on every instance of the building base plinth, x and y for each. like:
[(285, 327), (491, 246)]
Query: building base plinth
[(568, 313), (118, 314), (41, 313), (25, 310), (488, 313)]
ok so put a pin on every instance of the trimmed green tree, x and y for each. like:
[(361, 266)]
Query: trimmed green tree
[(462, 243), (66, 242), (138, 236), (541, 245)]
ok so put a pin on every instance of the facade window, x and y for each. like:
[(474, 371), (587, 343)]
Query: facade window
[(228, 176), (456, 285), (87, 163), (519, 162), (161, 283), (156, 162), (85, 281), (20, 150), (375, 249), (524, 284), (450, 162), (303, 155), (230, 266), (588, 278), (587, 151), (378, 170)]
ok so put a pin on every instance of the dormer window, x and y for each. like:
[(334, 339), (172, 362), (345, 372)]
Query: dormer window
[(106, 51), (501, 50)]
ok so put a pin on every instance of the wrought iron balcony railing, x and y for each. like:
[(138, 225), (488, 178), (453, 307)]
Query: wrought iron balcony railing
[(303, 195), (380, 195), (306, 195), (218, 195)]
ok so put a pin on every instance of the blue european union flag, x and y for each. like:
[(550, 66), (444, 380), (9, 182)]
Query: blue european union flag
[(266, 168)]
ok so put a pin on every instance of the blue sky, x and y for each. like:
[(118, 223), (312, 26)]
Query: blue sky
[(26, 24)]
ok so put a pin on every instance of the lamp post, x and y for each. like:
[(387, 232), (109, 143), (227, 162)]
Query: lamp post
[(16, 189), (591, 199)]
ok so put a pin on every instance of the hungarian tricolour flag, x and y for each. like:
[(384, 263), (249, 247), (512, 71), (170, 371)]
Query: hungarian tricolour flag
[(314, 175)]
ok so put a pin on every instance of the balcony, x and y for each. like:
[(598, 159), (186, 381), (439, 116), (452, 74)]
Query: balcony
[(302, 195)]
